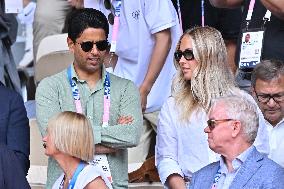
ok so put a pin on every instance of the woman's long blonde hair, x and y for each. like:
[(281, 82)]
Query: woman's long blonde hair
[(212, 78)]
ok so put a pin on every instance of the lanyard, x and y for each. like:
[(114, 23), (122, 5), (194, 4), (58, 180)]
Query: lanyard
[(202, 14), (75, 92), (179, 15), (76, 96), (216, 179), (250, 12), (74, 178), (115, 26), (71, 185), (114, 34)]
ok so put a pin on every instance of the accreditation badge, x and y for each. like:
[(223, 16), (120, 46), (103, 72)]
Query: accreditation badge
[(251, 48)]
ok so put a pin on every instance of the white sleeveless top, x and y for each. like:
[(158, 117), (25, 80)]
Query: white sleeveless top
[(87, 175)]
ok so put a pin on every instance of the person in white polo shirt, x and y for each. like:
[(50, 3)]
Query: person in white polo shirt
[(147, 36)]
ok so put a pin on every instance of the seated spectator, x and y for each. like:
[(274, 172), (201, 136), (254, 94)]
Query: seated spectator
[(232, 128), (14, 126), (268, 90), (69, 140), (12, 176), (203, 73)]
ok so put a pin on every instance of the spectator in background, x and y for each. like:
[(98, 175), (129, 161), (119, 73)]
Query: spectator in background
[(273, 39), (231, 128), (8, 33), (69, 140), (14, 126), (111, 103), (26, 18), (48, 20), (227, 21), (268, 90), (203, 74)]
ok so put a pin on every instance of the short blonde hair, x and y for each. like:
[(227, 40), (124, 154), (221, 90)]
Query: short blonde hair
[(72, 134)]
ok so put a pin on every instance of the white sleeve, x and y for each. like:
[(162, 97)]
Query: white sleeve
[(88, 174), (166, 143), (165, 19)]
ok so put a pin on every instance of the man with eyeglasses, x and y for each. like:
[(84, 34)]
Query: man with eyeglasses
[(232, 129), (268, 90), (111, 103)]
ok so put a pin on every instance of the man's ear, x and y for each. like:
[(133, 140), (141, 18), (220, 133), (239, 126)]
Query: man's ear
[(236, 128), (70, 44)]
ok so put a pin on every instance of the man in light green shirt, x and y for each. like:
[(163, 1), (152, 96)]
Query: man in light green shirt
[(87, 34)]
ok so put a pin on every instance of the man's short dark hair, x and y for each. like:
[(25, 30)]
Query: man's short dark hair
[(267, 70), (81, 19)]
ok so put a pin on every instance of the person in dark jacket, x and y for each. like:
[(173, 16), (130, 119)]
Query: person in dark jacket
[(11, 174), (8, 33), (14, 126)]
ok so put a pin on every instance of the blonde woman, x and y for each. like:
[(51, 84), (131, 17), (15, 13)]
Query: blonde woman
[(69, 140), (202, 75)]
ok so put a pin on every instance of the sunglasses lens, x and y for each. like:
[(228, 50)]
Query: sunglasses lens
[(178, 55), (188, 54), (102, 45), (87, 46), (210, 124)]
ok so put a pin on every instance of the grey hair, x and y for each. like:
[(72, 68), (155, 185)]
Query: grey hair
[(267, 70), (243, 109), (212, 77)]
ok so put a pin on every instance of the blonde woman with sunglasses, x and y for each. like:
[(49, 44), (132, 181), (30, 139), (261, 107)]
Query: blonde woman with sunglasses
[(203, 74)]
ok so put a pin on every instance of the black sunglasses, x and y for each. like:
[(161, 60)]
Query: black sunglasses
[(87, 46), (212, 123), (187, 54)]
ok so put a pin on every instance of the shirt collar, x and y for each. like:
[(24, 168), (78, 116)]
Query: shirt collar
[(237, 162), (277, 125), (100, 84)]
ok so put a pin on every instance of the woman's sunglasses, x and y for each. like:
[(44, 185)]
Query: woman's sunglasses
[(87, 46), (187, 54)]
